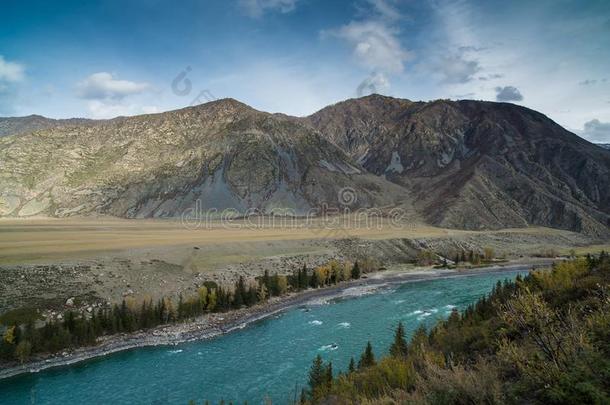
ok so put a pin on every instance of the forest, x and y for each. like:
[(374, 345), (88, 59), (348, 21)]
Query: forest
[(542, 339), (22, 340)]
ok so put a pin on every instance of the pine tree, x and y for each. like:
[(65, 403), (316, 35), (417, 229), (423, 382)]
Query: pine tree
[(329, 375), (352, 365), (303, 282), (240, 293), (212, 300), (399, 346), (356, 271), (267, 280), (317, 375), (368, 358)]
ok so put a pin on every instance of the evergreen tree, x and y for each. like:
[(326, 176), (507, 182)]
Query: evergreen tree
[(329, 375), (212, 300), (317, 375), (399, 346), (368, 358), (303, 282), (352, 365), (356, 271), (267, 280)]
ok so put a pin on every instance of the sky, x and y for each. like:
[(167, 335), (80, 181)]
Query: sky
[(101, 59)]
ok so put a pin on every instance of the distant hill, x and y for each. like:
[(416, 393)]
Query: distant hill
[(20, 125), (457, 164), (604, 145)]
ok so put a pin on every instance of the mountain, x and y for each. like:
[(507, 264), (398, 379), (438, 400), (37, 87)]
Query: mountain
[(604, 145), (474, 164), (220, 155), (19, 125), (457, 164)]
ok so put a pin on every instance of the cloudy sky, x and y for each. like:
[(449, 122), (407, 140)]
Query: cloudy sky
[(108, 58)]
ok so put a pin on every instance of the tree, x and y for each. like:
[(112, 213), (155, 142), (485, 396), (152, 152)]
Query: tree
[(303, 282), (212, 299), (425, 258), (317, 375), (329, 375), (9, 335), (303, 399), (367, 359), (203, 297), (399, 346), (488, 253), (352, 365), (23, 351), (356, 271), (262, 292), (282, 285)]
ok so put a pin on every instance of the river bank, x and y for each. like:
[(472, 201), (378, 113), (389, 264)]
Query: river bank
[(213, 325)]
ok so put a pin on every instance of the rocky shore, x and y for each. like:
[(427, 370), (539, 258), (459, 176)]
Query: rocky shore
[(213, 325)]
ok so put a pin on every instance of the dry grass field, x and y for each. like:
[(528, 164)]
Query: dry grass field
[(43, 262), (45, 240)]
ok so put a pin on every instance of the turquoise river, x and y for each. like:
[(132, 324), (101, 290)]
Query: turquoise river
[(266, 359)]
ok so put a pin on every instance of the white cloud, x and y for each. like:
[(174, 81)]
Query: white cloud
[(374, 39), (597, 131), (457, 69), (385, 9), (508, 93), (256, 8), (375, 45), (101, 110), (376, 83), (103, 85), (11, 71)]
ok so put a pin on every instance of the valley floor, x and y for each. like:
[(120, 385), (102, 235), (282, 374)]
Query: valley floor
[(45, 263)]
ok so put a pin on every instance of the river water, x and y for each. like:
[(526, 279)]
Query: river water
[(267, 359)]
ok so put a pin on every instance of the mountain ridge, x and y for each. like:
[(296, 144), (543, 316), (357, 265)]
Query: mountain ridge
[(458, 164)]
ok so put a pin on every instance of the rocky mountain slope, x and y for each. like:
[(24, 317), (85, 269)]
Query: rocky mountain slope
[(474, 164), (20, 125), (457, 164), (220, 155)]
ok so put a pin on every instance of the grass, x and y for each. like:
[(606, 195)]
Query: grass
[(40, 240)]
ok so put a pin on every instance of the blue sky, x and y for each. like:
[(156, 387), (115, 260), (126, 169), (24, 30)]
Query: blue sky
[(103, 59)]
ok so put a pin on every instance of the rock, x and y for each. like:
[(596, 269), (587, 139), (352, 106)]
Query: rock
[(70, 302)]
